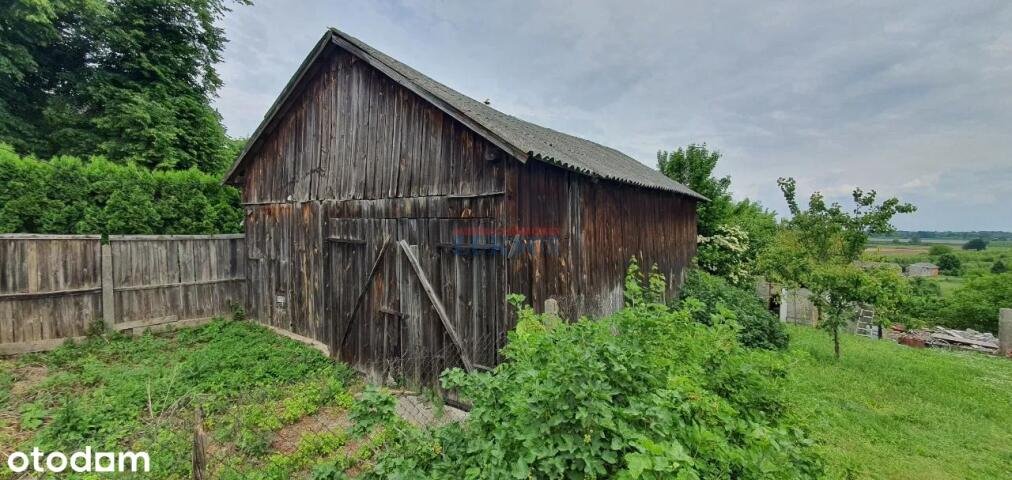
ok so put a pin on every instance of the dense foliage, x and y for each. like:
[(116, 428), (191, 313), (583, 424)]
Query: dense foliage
[(646, 393), (976, 304), (693, 167), (975, 244), (732, 234), (949, 264), (129, 79), (70, 195), (139, 393), (758, 327)]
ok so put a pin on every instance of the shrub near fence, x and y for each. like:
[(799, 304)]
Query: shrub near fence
[(56, 287), (90, 196)]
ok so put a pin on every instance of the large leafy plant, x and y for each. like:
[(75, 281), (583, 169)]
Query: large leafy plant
[(645, 393)]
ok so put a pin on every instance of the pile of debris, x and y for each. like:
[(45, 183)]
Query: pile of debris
[(942, 337)]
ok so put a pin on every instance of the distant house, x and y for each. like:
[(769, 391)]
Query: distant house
[(922, 269)]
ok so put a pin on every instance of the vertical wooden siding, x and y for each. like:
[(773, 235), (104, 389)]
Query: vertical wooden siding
[(51, 285), (165, 279), (352, 133), (600, 226)]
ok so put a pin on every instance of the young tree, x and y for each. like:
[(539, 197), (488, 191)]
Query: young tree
[(817, 247), (998, 267)]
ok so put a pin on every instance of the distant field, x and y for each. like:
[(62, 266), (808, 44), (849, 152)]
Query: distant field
[(897, 250)]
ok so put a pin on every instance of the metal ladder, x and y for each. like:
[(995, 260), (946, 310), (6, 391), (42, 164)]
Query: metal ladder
[(865, 324)]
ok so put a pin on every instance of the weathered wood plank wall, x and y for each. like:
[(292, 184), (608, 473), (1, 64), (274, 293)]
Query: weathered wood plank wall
[(356, 162), (51, 286)]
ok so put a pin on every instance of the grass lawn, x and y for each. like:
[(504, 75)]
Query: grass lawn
[(889, 411), (274, 408)]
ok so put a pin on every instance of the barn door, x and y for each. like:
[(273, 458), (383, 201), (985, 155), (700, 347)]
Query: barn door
[(361, 308), (409, 298)]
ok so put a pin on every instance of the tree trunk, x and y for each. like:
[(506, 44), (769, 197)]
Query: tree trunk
[(836, 342)]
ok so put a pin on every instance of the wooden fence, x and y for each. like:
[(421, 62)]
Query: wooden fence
[(55, 287)]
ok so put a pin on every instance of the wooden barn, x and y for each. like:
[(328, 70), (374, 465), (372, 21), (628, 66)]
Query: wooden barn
[(388, 216)]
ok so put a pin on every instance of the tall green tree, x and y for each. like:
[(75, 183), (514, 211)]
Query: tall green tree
[(693, 167), (130, 79), (817, 247)]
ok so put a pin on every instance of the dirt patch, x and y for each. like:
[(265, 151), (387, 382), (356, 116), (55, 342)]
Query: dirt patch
[(26, 378), (327, 420)]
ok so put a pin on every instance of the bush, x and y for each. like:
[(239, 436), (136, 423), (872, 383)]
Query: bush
[(949, 264), (725, 253), (71, 195), (936, 250), (976, 303), (975, 244), (998, 267), (759, 328), (646, 393)]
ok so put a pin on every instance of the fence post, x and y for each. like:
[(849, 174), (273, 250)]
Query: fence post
[(199, 446), (108, 299), (1005, 332)]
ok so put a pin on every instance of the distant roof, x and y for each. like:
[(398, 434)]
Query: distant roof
[(520, 138), (923, 265)]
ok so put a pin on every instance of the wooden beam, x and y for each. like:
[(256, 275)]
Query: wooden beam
[(54, 293), (147, 322), (42, 236), (148, 238), (34, 346), (437, 304), (475, 195), (178, 284), (353, 241), (365, 288), (299, 338)]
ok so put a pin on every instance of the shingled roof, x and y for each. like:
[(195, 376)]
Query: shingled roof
[(522, 139)]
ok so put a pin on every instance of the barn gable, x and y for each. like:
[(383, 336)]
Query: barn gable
[(518, 138)]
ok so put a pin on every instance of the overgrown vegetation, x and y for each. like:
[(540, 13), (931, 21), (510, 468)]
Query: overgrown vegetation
[(140, 394), (646, 393), (732, 234), (758, 327), (71, 195), (969, 296)]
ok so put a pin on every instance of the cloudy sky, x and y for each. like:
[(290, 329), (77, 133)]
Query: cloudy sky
[(913, 99)]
